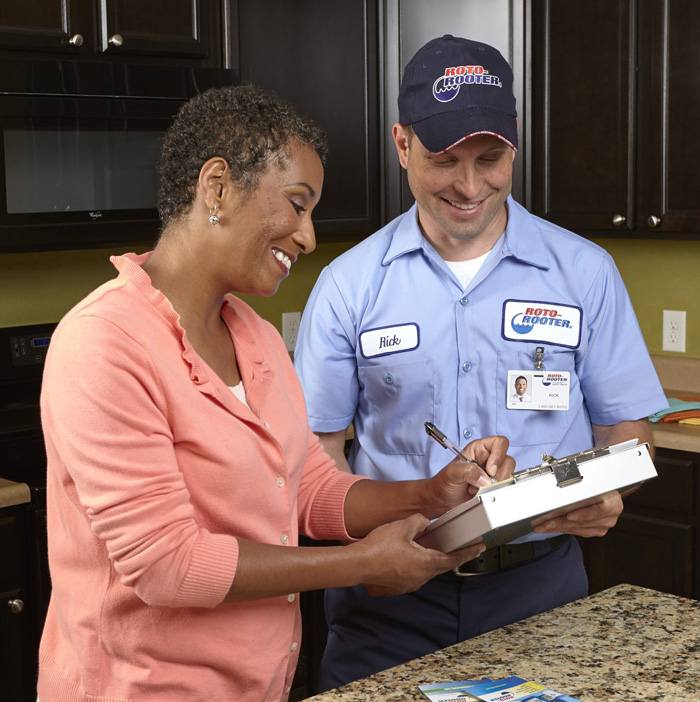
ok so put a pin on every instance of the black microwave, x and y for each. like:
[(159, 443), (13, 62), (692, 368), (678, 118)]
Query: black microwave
[(79, 147)]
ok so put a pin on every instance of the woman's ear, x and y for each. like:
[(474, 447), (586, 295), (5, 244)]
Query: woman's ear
[(213, 178)]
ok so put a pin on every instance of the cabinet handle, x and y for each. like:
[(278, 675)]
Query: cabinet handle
[(653, 221), (618, 220), (116, 40), (76, 40), (16, 606)]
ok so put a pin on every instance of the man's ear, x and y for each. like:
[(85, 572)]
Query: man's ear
[(402, 140)]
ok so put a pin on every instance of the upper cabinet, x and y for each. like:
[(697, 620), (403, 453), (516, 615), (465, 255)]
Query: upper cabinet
[(173, 31), (614, 149), (324, 58)]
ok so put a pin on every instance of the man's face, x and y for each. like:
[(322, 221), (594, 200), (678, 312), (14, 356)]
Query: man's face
[(461, 192), (521, 386)]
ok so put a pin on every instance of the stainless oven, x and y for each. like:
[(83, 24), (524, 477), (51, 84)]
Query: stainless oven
[(79, 145)]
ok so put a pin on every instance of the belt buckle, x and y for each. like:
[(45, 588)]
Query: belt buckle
[(460, 574)]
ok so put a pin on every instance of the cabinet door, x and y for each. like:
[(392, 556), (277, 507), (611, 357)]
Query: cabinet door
[(53, 25), (322, 57), (162, 27), (644, 551), (16, 660), (669, 112), (583, 56)]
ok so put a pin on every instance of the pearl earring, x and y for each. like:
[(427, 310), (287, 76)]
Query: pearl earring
[(213, 217)]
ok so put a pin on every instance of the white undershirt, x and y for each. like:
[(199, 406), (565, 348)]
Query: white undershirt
[(239, 392), (465, 271)]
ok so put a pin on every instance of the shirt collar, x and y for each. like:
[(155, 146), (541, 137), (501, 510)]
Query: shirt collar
[(523, 239), (407, 236)]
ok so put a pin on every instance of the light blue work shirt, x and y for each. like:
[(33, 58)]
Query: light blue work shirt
[(390, 340)]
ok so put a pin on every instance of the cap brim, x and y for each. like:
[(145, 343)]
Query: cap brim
[(443, 131)]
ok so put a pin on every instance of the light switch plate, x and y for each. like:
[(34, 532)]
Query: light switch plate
[(290, 328)]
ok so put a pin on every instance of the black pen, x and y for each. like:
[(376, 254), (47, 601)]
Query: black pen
[(434, 433)]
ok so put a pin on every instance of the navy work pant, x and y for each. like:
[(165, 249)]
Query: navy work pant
[(368, 634)]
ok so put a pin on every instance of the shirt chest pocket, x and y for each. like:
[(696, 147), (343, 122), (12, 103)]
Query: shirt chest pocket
[(400, 398), (530, 427)]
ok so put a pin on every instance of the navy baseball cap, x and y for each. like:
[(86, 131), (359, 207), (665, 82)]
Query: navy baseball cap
[(454, 88)]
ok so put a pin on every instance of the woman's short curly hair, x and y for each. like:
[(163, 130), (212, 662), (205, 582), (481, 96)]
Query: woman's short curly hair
[(243, 124)]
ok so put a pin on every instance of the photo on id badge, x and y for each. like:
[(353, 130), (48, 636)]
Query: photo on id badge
[(537, 390)]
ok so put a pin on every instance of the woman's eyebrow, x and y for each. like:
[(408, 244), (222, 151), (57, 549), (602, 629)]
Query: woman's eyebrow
[(303, 184)]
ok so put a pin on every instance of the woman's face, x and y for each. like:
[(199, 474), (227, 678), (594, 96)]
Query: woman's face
[(263, 232)]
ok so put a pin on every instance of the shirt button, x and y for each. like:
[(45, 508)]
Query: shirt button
[(389, 379), (284, 538), (467, 366), (279, 482), (464, 300), (467, 434), (294, 646), (291, 597)]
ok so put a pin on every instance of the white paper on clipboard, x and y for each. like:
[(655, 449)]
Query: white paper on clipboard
[(509, 509)]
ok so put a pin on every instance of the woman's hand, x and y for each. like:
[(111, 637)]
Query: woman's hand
[(397, 564), (459, 481)]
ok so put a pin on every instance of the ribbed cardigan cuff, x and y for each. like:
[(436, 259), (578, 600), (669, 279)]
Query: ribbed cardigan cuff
[(328, 512), (212, 567)]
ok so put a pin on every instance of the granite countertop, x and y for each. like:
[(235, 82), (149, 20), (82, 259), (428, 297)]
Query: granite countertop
[(625, 644), (12, 493)]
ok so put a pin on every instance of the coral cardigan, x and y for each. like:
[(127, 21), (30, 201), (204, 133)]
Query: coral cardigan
[(154, 470)]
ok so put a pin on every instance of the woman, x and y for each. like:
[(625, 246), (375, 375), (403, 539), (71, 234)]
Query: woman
[(180, 464)]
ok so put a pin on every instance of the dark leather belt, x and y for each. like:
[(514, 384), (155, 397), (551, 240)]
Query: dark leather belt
[(506, 556)]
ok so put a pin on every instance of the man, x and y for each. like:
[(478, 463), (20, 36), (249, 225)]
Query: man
[(520, 386), (432, 318)]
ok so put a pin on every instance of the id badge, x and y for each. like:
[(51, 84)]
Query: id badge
[(538, 390)]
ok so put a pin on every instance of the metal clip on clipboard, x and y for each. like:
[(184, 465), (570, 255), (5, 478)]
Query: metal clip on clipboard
[(566, 469)]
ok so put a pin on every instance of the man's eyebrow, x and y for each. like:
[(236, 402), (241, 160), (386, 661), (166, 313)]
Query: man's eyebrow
[(304, 184)]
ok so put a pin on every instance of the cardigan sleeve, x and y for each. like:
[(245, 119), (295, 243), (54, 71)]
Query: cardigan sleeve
[(106, 418), (322, 494)]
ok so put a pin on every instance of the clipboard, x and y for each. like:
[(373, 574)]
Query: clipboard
[(511, 508)]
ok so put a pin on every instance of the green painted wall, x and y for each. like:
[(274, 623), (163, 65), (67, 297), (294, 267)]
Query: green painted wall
[(661, 275), (41, 287)]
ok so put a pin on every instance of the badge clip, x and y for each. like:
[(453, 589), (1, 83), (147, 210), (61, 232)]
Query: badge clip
[(539, 358)]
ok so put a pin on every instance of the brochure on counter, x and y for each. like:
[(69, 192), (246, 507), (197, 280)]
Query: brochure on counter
[(510, 689)]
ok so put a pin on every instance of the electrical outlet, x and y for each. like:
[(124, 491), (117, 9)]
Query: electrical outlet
[(673, 331), (290, 328)]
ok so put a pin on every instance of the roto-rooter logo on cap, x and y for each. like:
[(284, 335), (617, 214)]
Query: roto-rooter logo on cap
[(447, 86)]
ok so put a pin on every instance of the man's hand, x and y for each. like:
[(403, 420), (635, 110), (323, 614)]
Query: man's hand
[(593, 520), (398, 564), (459, 481)]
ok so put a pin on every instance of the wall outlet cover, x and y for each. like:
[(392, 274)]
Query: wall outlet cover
[(673, 337)]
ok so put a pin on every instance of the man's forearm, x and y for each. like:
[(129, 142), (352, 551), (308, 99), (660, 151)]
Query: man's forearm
[(606, 435)]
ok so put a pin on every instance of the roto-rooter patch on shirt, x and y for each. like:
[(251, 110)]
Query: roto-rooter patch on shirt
[(542, 322)]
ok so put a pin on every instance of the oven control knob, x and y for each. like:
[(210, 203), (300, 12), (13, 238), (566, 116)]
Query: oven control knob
[(116, 40), (76, 40), (16, 606)]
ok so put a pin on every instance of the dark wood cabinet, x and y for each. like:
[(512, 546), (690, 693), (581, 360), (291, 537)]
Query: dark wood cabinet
[(323, 58), (178, 31), (613, 141), (17, 627), (656, 542)]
